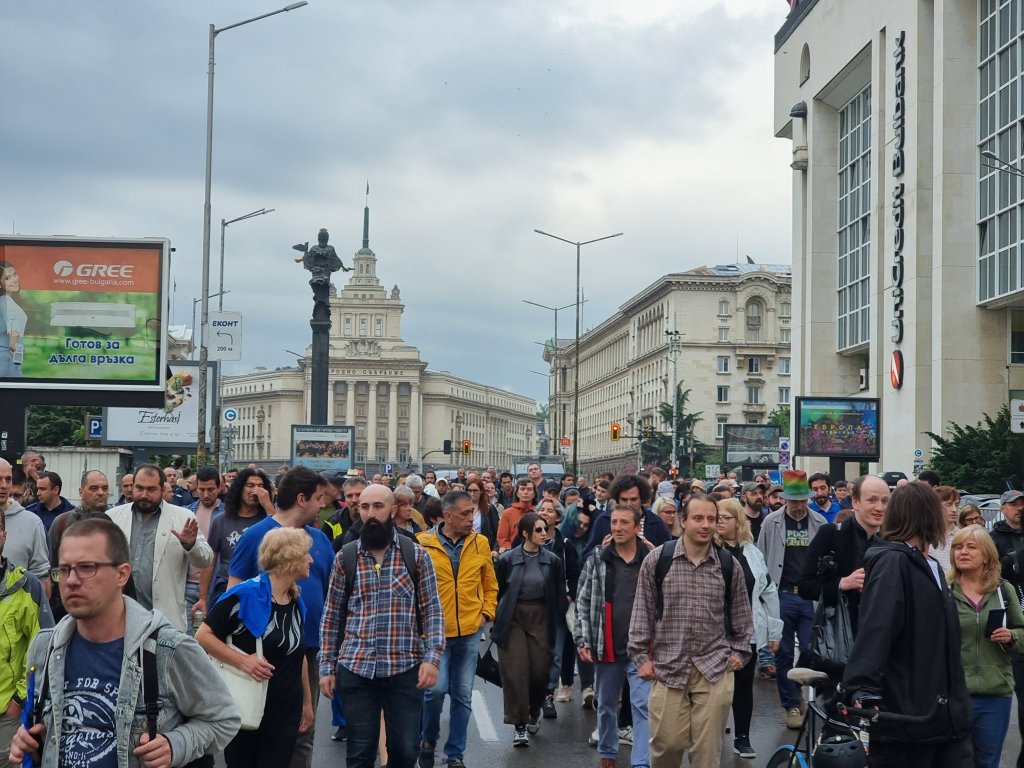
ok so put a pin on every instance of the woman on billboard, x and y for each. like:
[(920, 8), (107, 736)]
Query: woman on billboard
[(12, 323)]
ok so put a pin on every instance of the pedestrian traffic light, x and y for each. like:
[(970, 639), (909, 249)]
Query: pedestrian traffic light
[(465, 447), (616, 430), (447, 446)]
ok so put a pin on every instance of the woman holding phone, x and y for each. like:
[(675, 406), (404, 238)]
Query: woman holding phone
[(991, 626)]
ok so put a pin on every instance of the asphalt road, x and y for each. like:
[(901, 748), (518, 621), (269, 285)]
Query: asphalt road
[(565, 740)]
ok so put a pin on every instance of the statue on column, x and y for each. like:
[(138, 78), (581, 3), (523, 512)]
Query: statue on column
[(321, 260)]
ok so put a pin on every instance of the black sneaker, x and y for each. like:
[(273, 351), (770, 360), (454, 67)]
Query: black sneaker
[(741, 746), (548, 707), (454, 762), (519, 737), (426, 759), (340, 734)]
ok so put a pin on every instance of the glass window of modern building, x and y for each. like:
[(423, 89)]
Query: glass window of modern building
[(854, 225)]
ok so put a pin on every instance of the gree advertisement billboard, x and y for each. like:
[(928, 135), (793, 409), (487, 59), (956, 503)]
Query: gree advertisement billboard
[(82, 314)]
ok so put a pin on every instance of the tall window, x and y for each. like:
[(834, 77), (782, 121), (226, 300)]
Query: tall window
[(378, 326), (754, 364), (723, 394), (784, 366), (723, 306), (720, 423), (783, 395), (785, 309), (348, 325), (362, 326), (754, 314), (723, 334), (999, 205), (854, 231), (753, 395), (785, 335), (723, 364)]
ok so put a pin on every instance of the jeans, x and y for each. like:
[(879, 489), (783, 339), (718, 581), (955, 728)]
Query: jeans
[(402, 703), (609, 676), (191, 597), (1018, 690), (458, 668), (989, 722), (797, 620), (556, 656), (765, 658)]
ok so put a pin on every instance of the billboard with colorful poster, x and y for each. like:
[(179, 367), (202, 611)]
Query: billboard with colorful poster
[(323, 448), (838, 427), (82, 314), (176, 424)]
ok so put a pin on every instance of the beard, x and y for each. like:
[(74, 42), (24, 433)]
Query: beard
[(823, 501), (146, 506), (377, 535)]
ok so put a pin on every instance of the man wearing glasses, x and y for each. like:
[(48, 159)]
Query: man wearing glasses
[(87, 671), (165, 541)]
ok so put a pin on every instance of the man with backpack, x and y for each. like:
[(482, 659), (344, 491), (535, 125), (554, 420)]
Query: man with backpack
[(382, 635), (688, 636)]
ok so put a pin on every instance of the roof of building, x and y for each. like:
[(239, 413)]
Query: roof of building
[(725, 270)]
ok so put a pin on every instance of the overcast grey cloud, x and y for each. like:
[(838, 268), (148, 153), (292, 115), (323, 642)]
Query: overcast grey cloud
[(474, 123)]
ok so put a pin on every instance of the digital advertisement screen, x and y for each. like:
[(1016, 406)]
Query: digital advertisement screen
[(323, 448), (751, 444), (77, 313), (838, 427)]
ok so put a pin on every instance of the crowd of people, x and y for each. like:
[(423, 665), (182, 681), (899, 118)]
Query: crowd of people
[(664, 599)]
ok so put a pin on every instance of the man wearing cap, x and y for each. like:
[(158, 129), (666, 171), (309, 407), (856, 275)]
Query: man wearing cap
[(752, 499), (773, 498), (1009, 541), (785, 537)]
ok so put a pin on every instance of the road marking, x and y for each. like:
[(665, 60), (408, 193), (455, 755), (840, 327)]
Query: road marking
[(484, 724)]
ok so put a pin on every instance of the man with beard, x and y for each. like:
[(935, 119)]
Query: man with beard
[(822, 503), (752, 499), (206, 507), (773, 499), (299, 499), (506, 491), (382, 634), (165, 541)]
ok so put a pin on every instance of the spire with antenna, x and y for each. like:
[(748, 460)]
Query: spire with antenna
[(366, 218)]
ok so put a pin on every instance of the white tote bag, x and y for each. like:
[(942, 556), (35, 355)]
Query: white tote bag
[(250, 695)]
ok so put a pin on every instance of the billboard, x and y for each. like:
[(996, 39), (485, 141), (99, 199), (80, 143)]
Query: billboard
[(82, 314), (750, 444), (838, 427), (176, 424), (323, 447)]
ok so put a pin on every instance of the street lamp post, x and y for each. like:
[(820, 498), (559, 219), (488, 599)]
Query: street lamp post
[(556, 310), (576, 364), (223, 226), (201, 432), (195, 302), (675, 347)]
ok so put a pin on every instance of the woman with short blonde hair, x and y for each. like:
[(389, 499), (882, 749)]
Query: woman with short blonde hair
[(991, 624), (665, 508)]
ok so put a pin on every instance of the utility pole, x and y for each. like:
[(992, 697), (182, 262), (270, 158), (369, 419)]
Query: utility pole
[(675, 348)]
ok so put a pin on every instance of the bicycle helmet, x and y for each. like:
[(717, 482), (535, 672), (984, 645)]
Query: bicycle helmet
[(842, 751)]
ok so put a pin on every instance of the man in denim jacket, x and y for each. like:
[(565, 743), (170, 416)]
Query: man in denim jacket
[(89, 669)]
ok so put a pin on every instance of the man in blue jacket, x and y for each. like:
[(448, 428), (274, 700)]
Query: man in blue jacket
[(635, 492)]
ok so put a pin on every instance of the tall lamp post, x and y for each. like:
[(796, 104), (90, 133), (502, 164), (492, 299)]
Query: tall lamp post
[(224, 225), (201, 432), (576, 364), (556, 310), (675, 347)]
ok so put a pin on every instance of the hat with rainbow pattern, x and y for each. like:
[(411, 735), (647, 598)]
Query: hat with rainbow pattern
[(794, 485)]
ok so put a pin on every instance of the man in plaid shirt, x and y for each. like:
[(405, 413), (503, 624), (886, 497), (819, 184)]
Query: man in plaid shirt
[(376, 654)]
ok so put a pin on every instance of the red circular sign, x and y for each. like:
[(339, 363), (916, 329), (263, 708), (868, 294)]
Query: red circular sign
[(896, 369)]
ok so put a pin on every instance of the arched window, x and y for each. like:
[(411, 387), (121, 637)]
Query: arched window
[(805, 64), (755, 318)]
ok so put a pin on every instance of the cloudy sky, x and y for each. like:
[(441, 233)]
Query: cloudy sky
[(474, 123)]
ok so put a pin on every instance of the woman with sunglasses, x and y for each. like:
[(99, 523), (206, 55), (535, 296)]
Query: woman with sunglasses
[(531, 598)]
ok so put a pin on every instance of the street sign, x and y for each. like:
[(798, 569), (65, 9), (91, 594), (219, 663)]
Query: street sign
[(388, 468), (224, 336), (566, 442), (1017, 417), (784, 459), (230, 414), (94, 427), (711, 471), (783, 446), (918, 453)]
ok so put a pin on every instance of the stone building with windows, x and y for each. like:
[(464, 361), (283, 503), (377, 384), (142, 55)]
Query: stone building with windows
[(905, 120), (734, 331), (401, 410)]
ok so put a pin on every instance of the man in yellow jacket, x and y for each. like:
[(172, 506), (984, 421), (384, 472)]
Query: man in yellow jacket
[(468, 590)]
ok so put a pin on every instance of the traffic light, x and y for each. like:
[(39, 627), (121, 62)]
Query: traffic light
[(465, 447), (616, 430), (447, 446)]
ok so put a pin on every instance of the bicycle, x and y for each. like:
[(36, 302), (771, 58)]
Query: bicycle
[(845, 745)]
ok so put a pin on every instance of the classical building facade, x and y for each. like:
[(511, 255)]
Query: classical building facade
[(733, 324), (905, 124), (402, 411)]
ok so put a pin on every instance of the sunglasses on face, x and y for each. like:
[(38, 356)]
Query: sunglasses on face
[(541, 529)]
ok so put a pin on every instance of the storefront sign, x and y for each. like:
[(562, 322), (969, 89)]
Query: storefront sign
[(899, 124)]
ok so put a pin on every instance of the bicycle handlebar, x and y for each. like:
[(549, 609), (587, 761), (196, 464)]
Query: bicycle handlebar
[(879, 716)]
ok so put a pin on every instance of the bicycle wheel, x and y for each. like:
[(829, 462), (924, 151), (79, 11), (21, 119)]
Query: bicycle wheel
[(787, 756)]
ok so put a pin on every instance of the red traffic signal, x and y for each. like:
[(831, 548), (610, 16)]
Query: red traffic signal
[(465, 447), (616, 431)]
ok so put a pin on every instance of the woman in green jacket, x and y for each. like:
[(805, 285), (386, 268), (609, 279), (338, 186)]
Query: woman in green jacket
[(991, 626)]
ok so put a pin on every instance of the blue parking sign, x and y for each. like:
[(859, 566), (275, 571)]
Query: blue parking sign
[(94, 427)]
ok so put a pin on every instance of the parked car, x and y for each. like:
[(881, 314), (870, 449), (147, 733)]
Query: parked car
[(891, 478)]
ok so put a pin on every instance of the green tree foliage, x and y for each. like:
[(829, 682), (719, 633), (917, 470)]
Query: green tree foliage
[(657, 449), (58, 424), (780, 417), (981, 457)]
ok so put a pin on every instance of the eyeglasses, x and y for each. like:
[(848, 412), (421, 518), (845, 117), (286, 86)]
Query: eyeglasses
[(972, 521), (541, 529), (83, 570), (725, 517)]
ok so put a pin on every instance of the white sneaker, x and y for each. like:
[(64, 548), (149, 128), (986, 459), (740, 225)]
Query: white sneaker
[(533, 724), (519, 738), (589, 697), (626, 735), (563, 694), (594, 738)]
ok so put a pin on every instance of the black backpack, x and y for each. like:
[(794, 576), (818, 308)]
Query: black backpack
[(348, 562), (668, 550)]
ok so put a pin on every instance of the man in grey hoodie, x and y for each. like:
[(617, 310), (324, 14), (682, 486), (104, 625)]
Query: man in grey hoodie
[(26, 536), (90, 670)]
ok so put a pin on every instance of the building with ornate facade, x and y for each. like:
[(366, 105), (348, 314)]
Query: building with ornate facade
[(734, 331), (401, 410)]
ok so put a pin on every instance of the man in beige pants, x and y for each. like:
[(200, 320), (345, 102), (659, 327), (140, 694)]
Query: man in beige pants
[(684, 647)]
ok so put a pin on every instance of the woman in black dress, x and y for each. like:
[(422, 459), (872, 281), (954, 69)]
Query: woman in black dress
[(267, 607)]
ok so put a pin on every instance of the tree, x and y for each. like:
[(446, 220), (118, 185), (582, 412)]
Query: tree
[(53, 425), (657, 449), (980, 457), (780, 417)]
